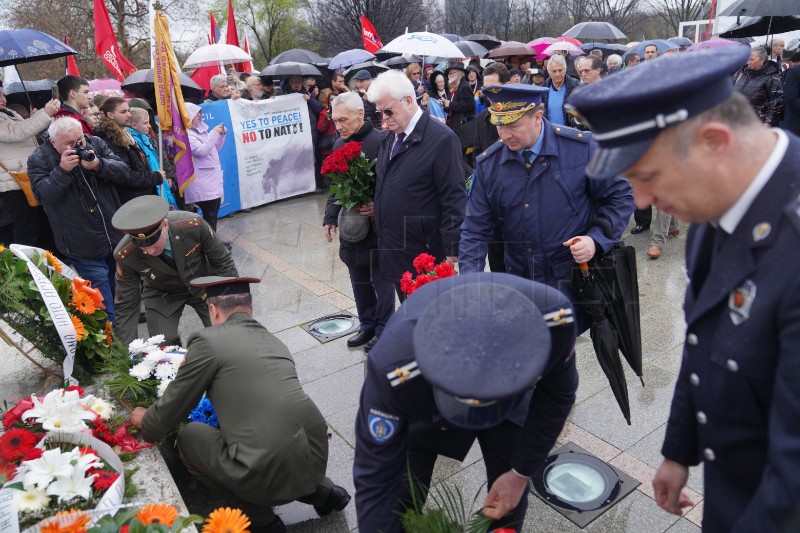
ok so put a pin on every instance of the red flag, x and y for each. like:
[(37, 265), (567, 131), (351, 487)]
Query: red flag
[(106, 44), (214, 29), (372, 43), (72, 66), (248, 66), (232, 37)]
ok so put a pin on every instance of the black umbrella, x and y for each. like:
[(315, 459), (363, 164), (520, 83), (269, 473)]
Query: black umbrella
[(290, 68), (141, 84), (402, 61), (39, 93), (471, 48), (760, 8), (299, 55), (452, 37), (373, 67), (490, 42), (755, 26), (604, 336), (589, 31)]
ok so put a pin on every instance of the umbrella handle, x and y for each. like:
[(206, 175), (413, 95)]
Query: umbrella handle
[(583, 266)]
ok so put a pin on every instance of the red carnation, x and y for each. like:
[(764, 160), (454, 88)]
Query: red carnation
[(13, 416), (15, 443), (424, 263), (444, 270), (104, 478), (77, 388), (407, 284)]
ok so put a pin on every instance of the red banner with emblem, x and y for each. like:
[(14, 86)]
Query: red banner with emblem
[(372, 43), (106, 44)]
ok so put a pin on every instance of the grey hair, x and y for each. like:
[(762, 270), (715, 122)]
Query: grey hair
[(63, 125), (250, 81), (558, 59), (614, 57), (761, 51), (216, 81), (394, 83), (352, 101)]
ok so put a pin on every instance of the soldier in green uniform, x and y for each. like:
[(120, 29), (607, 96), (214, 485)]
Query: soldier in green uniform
[(272, 444), (166, 250)]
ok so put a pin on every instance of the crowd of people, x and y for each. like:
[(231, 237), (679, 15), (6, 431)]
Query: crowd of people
[(83, 177)]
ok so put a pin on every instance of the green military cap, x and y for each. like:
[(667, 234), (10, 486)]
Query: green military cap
[(141, 218), (224, 285)]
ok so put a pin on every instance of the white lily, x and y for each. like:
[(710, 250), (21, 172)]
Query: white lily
[(51, 465), (77, 484), (32, 500)]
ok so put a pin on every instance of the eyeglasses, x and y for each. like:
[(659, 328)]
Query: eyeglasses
[(387, 112), (416, 73)]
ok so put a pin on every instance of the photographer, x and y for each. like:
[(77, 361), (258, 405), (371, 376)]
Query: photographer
[(74, 177)]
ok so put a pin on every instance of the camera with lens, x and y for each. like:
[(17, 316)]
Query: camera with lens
[(84, 153)]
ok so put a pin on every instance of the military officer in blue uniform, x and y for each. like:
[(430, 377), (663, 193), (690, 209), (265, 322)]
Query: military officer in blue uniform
[(692, 146), (533, 182), (439, 379)]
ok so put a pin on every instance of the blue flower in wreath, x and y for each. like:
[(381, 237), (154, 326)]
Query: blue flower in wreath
[(204, 412)]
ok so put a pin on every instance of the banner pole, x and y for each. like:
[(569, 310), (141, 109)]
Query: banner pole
[(160, 148)]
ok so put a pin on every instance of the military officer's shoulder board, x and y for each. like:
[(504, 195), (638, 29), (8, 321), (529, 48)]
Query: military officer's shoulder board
[(559, 317), (126, 250), (574, 134), (192, 222), (489, 151), (400, 375)]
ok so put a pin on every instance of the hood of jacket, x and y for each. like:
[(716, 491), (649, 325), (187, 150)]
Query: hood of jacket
[(108, 130), (193, 110)]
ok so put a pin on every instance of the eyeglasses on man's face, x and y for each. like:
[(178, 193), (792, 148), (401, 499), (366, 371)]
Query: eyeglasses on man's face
[(387, 112)]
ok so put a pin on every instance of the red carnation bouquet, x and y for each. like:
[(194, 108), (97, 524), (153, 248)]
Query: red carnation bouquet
[(427, 271), (352, 178)]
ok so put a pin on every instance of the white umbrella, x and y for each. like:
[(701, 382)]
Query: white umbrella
[(423, 43), (563, 46), (213, 54)]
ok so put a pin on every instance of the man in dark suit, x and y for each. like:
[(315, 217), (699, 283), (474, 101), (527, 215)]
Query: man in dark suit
[(791, 97), (691, 146), (271, 446), (419, 193)]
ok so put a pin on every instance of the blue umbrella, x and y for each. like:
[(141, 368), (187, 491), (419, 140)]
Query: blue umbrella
[(660, 44), (349, 58), (27, 46)]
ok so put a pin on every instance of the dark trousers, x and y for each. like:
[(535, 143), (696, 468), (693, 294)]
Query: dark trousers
[(497, 449), (29, 222), (643, 217), (200, 446), (497, 250), (210, 209), (374, 299)]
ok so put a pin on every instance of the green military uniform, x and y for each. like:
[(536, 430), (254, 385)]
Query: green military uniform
[(196, 253), (272, 445)]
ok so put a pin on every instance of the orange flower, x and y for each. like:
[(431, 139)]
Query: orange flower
[(80, 329), (109, 338), (2, 248), (55, 263), (83, 303), (72, 521), (226, 520), (157, 513), (81, 285)]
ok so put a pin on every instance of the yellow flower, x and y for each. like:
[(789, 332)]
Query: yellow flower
[(55, 263), (80, 329), (2, 248), (83, 303), (157, 513), (64, 523), (226, 520)]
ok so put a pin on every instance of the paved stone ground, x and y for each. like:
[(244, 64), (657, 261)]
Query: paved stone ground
[(283, 243)]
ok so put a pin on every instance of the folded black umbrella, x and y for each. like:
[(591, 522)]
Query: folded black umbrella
[(141, 84)]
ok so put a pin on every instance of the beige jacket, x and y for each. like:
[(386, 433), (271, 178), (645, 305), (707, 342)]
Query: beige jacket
[(18, 142)]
